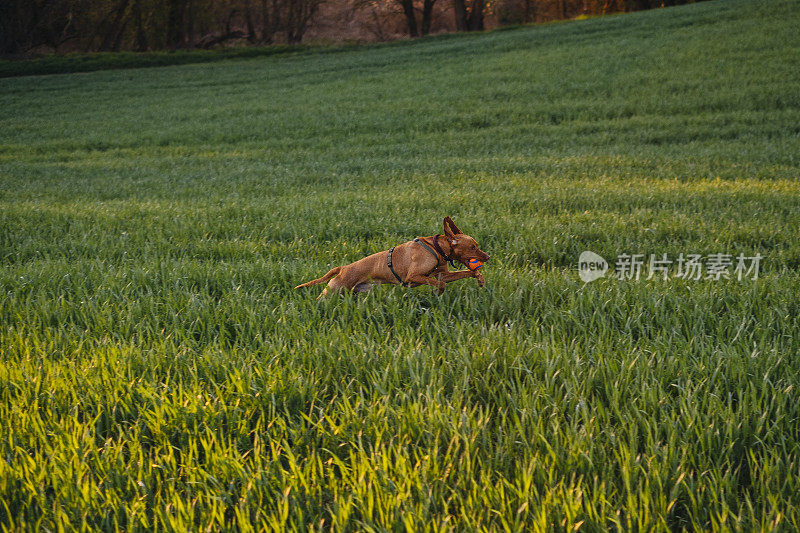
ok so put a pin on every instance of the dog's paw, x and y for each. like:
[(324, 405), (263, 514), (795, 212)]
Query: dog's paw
[(481, 280)]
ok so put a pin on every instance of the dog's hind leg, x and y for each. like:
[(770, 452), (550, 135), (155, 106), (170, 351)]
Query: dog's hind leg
[(336, 284)]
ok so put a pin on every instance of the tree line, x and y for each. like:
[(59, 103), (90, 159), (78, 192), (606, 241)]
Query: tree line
[(41, 26)]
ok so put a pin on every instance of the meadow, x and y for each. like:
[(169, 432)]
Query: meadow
[(158, 371)]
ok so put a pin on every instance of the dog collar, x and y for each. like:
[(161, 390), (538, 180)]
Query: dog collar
[(439, 249)]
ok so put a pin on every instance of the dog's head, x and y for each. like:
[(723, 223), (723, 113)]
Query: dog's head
[(463, 246)]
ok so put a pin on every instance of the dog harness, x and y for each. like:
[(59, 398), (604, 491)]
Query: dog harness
[(418, 241)]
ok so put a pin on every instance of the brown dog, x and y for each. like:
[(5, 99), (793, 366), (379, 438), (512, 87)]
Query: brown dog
[(422, 261)]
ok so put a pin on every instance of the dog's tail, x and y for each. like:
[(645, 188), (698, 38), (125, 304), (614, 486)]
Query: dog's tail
[(331, 273)]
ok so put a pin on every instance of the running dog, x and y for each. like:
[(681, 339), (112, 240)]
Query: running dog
[(422, 261)]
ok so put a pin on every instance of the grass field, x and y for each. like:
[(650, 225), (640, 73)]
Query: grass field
[(158, 371)]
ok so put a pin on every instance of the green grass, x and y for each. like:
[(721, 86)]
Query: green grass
[(158, 371), (89, 62)]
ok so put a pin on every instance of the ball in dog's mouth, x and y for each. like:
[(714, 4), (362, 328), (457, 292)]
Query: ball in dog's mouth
[(474, 264)]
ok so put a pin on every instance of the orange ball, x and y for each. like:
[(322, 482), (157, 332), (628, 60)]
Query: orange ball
[(474, 264)]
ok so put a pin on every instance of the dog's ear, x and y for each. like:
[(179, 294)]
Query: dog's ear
[(450, 228), (447, 232)]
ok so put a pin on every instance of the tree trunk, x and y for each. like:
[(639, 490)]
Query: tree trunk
[(175, 23), (265, 34), (228, 27), (276, 22), (140, 41), (475, 22), (411, 18), (113, 28), (120, 34), (248, 19), (188, 21), (530, 11), (427, 15), (295, 25), (290, 19), (460, 11)]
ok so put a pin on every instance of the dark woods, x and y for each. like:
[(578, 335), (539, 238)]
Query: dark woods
[(139, 25), (31, 27)]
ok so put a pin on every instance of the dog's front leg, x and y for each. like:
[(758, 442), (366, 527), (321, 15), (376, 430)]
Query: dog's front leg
[(426, 280), (449, 277)]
